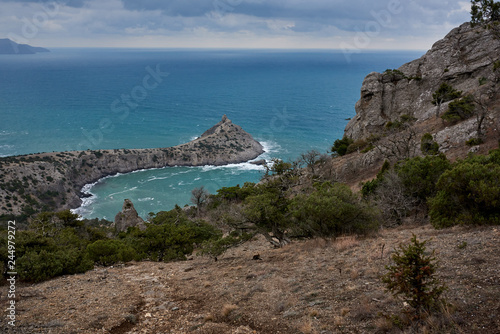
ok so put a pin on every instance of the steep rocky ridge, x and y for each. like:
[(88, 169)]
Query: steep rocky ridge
[(463, 57), (468, 59), (53, 181)]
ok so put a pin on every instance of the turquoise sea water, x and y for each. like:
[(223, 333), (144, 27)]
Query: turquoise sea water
[(72, 99)]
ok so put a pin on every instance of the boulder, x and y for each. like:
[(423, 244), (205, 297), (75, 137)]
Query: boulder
[(128, 217)]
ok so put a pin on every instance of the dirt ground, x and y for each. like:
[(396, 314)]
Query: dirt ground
[(315, 286)]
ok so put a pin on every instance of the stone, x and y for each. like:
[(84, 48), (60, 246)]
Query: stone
[(128, 217)]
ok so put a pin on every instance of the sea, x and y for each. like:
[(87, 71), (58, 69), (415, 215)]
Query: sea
[(292, 101)]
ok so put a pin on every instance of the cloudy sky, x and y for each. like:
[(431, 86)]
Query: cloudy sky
[(330, 24)]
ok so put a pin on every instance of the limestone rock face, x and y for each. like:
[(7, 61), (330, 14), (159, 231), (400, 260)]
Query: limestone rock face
[(128, 217), (461, 59)]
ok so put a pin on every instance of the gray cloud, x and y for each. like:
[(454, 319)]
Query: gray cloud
[(299, 20)]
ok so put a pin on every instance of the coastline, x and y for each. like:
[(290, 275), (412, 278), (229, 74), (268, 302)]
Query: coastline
[(54, 181), (89, 199)]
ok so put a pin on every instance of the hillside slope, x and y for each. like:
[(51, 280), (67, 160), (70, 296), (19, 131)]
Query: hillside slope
[(315, 286)]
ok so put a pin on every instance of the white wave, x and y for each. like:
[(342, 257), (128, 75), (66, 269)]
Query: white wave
[(146, 199), (122, 192), (244, 166), (86, 208)]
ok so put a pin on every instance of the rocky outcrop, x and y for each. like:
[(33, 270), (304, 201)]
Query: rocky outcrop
[(465, 59), (128, 217), (53, 181)]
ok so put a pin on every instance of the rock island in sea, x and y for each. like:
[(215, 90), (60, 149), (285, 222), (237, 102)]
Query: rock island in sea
[(53, 181)]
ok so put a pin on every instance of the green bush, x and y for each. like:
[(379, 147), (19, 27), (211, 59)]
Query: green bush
[(467, 194), (340, 146), (40, 258), (474, 142), (236, 194), (268, 210), (39, 266), (428, 146), (413, 276), (403, 122), (332, 210), (108, 252), (170, 236), (368, 188), (460, 109), (217, 247), (420, 175), (445, 93)]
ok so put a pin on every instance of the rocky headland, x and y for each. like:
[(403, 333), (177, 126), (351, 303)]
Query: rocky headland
[(53, 181), (396, 107)]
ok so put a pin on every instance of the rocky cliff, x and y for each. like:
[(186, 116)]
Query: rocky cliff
[(465, 59), (53, 181), (396, 107)]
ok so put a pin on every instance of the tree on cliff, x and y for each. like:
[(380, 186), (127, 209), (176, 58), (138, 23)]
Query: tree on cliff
[(484, 11), (443, 94)]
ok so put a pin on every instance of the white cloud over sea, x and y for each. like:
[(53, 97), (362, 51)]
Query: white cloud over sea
[(332, 24)]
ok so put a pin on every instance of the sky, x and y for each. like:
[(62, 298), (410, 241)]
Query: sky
[(282, 24)]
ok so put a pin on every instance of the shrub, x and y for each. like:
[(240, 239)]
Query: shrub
[(40, 258), (460, 109), (474, 142), (108, 252), (331, 210), (394, 75), (428, 146), (217, 247), (467, 194), (268, 210), (412, 276), (369, 187), (170, 236), (340, 146), (420, 175), (445, 93)]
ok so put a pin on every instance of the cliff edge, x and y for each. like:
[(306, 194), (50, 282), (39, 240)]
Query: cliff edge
[(53, 181), (464, 59), (396, 108)]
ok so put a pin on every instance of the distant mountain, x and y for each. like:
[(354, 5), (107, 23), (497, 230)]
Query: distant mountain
[(10, 47)]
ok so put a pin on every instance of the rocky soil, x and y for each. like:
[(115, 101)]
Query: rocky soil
[(314, 286)]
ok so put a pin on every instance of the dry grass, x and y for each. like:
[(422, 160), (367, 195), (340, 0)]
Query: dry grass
[(228, 309), (307, 327), (344, 243), (306, 287)]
